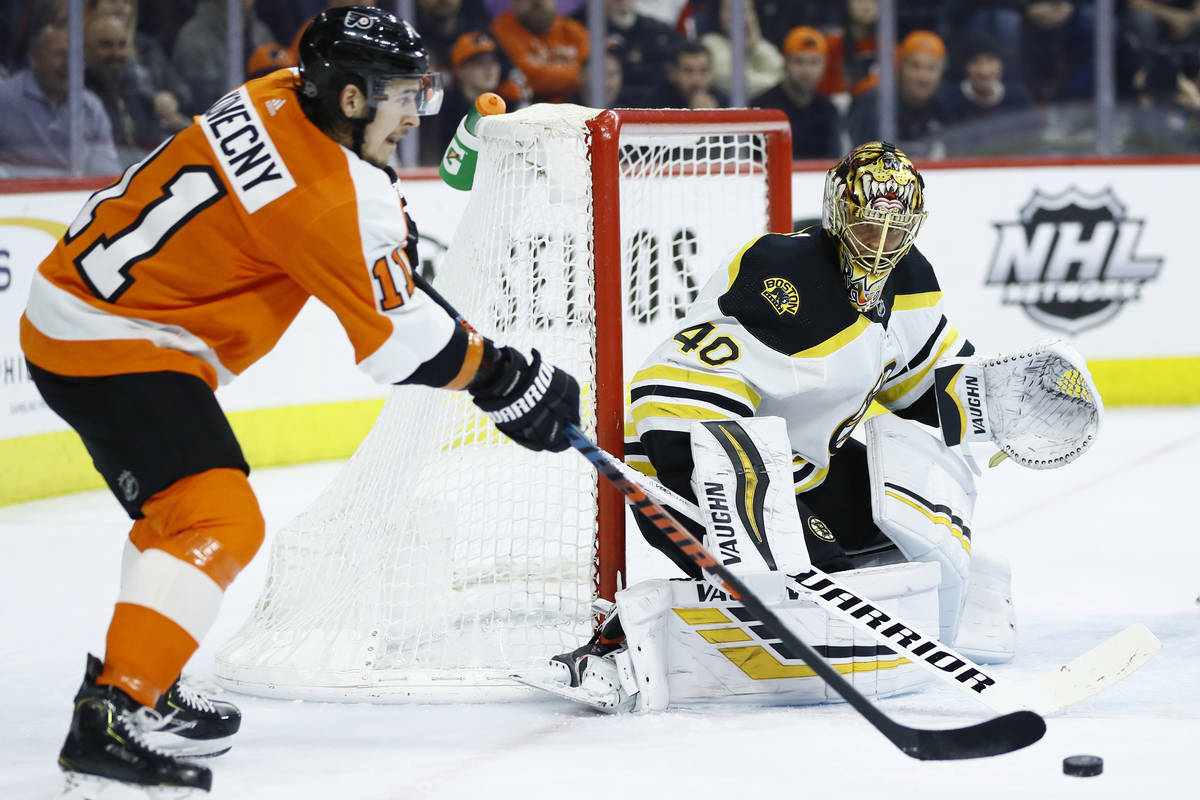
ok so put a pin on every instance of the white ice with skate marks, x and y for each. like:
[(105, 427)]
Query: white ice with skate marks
[(1097, 546)]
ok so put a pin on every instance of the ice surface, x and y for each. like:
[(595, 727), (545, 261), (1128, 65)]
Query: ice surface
[(1101, 544)]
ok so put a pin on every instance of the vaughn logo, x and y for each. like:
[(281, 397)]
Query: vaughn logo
[(1071, 260)]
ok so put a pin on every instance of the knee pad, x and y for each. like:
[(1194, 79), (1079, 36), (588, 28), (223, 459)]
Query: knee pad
[(210, 520)]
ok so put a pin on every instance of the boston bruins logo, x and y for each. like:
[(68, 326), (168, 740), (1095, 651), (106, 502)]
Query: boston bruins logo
[(820, 530), (782, 296)]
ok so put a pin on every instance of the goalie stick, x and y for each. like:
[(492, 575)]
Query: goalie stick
[(1091, 673), (992, 737)]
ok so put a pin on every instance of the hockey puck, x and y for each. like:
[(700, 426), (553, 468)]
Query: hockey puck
[(1083, 766)]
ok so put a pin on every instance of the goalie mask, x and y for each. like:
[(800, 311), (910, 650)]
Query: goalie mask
[(873, 207)]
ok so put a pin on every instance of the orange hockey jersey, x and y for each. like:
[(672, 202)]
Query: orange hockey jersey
[(550, 61), (202, 254)]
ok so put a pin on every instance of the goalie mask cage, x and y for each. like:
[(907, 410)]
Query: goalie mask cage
[(444, 557)]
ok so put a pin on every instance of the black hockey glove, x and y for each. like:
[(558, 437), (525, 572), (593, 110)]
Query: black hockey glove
[(531, 403)]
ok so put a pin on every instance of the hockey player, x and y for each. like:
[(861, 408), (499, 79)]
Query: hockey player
[(812, 326), (805, 331), (186, 271)]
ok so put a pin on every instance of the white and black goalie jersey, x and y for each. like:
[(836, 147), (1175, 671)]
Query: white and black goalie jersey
[(777, 336)]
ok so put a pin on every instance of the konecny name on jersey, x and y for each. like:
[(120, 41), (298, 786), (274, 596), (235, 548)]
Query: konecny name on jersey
[(247, 155)]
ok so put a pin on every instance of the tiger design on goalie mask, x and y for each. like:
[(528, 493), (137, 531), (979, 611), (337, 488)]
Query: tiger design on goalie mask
[(874, 205)]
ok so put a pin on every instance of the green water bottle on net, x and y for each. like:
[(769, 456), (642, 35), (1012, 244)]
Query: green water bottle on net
[(458, 164)]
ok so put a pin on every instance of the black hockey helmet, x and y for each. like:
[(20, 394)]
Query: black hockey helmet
[(365, 46)]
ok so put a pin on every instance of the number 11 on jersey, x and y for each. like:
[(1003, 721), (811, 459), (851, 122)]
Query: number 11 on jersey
[(106, 264)]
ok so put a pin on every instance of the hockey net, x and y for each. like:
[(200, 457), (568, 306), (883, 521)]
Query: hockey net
[(443, 557)]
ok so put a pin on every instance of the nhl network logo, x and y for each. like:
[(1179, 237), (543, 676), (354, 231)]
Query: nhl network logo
[(1071, 260)]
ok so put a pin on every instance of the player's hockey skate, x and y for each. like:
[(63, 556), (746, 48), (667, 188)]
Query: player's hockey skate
[(201, 725), (107, 753)]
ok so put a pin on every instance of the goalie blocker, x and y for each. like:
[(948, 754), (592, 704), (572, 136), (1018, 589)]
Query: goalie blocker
[(688, 643)]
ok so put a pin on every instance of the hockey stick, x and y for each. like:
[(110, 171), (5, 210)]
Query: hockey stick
[(989, 738), (1094, 671)]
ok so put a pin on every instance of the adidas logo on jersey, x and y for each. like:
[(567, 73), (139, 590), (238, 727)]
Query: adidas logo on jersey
[(274, 104)]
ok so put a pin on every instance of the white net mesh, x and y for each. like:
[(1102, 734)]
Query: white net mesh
[(444, 557)]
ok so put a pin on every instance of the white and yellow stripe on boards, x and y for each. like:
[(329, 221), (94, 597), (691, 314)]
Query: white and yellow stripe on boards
[(57, 463), (50, 464)]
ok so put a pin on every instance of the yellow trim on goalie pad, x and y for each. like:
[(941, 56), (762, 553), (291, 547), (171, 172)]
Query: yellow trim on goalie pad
[(701, 616), (812, 481), (749, 477), (761, 665), (722, 635), (936, 519), (962, 412)]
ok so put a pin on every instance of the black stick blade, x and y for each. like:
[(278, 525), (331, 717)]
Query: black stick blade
[(991, 738)]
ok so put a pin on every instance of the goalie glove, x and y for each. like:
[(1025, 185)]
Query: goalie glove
[(530, 402), (1040, 407)]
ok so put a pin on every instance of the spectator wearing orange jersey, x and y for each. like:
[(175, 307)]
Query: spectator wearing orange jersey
[(921, 108), (548, 48)]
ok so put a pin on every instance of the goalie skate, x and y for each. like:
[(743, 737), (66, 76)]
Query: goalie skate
[(599, 681)]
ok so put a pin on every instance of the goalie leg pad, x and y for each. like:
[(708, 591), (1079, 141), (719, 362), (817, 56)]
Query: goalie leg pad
[(743, 480), (923, 497), (643, 609), (692, 645), (987, 631)]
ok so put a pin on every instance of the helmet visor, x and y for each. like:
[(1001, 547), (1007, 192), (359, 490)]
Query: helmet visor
[(407, 94)]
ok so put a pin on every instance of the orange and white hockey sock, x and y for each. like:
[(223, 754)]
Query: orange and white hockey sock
[(197, 535)]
